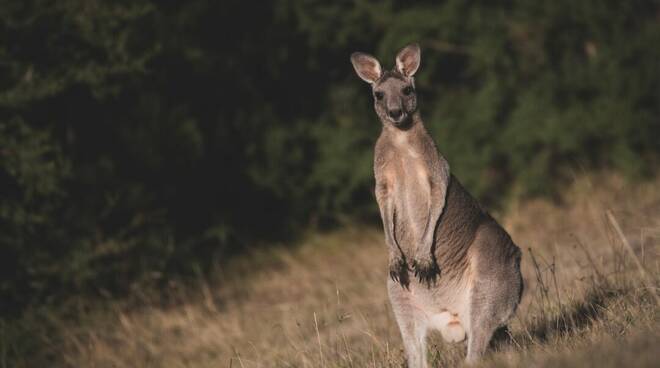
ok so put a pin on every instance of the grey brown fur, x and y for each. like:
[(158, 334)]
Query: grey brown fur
[(452, 266)]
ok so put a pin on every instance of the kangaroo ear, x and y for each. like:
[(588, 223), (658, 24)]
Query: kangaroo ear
[(366, 67), (407, 60)]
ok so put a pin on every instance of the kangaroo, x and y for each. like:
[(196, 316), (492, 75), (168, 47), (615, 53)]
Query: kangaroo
[(452, 267)]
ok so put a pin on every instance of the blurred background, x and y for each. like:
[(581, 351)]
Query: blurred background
[(142, 140)]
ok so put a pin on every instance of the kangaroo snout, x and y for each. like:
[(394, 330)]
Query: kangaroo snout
[(395, 113)]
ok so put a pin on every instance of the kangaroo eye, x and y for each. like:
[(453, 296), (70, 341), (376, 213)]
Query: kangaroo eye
[(407, 90), (379, 95)]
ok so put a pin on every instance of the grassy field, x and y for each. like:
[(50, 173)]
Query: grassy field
[(591, 269)]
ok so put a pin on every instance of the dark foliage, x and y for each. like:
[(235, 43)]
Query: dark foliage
[(143, 139)]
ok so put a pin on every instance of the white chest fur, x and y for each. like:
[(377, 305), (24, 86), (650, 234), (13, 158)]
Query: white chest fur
[(401, 140)]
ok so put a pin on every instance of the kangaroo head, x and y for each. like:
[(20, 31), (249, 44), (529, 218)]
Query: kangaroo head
[(395, 99)]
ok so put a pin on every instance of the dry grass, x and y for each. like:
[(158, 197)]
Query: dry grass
[(324, 304)]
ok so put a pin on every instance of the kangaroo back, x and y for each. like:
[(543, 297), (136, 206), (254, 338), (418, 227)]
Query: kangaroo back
[(456, 229)]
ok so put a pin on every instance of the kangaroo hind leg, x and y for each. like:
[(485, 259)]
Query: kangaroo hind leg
[(413, 326)]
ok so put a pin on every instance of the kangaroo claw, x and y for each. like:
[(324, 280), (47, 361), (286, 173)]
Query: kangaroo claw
[(426, 271), (399, 271)]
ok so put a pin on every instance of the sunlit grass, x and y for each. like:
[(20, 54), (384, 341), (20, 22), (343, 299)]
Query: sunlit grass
[(324, 304)]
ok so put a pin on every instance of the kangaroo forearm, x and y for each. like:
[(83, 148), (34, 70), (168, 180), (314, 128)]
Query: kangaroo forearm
[(398, 266), (426, 241), (388, 216), (436, 206)]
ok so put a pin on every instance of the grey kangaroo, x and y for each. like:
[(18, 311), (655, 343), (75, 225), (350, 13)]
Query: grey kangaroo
[(452, 267)]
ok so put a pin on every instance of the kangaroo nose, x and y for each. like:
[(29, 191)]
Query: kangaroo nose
[(395, 114)]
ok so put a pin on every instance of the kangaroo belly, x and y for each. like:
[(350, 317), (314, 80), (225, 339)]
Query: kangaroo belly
[(449, 325)]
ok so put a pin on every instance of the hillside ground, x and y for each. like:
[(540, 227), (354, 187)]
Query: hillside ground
[(591, 269)]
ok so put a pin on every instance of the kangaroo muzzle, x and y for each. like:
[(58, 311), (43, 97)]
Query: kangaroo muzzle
[(395, 114)]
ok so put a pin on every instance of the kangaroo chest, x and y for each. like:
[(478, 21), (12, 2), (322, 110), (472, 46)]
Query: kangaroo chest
[(411, 189)]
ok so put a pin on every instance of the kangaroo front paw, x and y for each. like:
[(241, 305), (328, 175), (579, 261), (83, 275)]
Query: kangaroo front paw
[(426, 270), (399, 271)]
